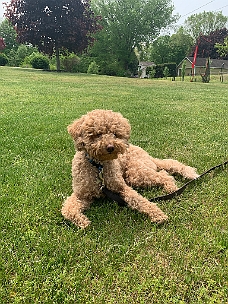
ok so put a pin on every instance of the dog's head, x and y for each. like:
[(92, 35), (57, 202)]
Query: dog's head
[(103, 134)]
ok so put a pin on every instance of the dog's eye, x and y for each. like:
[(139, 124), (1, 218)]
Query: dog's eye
[(94, 136), (117, 135)]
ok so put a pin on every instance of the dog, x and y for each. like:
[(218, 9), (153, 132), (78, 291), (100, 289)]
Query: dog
[(104, 158)]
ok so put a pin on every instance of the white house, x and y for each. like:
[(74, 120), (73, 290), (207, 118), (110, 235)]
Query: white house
[(142, 68)]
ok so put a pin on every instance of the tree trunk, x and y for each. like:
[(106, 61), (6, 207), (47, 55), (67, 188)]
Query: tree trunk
[(57, 58)]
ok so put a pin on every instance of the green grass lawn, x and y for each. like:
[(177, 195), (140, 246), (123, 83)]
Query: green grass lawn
[(122, 257)]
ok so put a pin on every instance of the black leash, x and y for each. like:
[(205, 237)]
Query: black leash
[(114, 196), (117, 198), (181, 190)]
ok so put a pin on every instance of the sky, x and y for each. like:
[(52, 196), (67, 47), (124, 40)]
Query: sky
[(198, 6), (184, 10)]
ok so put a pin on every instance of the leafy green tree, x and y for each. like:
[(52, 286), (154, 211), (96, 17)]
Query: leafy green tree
[(8, 33), (160, 50), (52, 25), (204, 23), (17, 57), (222, 49), (180, 45), (171, 48), (128, 23)]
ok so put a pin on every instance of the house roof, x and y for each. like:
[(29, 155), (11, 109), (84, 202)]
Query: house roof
[(214, 63), (146, 63)]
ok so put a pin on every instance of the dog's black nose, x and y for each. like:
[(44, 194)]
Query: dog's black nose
[(110, 148)]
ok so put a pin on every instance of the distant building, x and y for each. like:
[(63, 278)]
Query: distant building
[(216, 65), (143, 65)]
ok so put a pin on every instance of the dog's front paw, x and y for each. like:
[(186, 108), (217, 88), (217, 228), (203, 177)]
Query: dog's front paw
[(76, 217), (157, 215), (81, 222), (159, 219)]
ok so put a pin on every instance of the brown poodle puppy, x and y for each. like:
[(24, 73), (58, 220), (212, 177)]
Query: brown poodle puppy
[(104, 158)]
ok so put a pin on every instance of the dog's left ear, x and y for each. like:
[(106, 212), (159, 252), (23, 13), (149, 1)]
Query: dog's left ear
[(75, 131)]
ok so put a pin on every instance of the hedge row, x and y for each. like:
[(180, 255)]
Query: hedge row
[(158, 70)]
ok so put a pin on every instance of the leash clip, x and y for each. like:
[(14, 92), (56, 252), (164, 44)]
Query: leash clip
[(101, 177), (100, 171)]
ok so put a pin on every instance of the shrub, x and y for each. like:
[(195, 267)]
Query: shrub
[(152, 72), (70, 63), (28, 59), (172, 66), (170, 70), (3, 59), (84, 63), (93, 68), (40, 61), (21, 55), (25, 51), (166, 72), (111, 69), (183, 70)]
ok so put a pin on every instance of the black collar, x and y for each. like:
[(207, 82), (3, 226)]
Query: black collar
[(94, 163)]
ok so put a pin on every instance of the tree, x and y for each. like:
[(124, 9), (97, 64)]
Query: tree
[(16, 58), (206, 44), (204, 23), (127, 24), (206, 75), (171, 49), (160, 50), (8, 33), (180, 45), (222, 49), (183, 70), (52, 25)]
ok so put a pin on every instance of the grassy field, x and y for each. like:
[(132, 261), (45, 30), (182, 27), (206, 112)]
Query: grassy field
[(121, 257)]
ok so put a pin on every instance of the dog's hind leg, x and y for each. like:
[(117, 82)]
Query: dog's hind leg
[(174, 166), (73, 210), (143, 176)]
